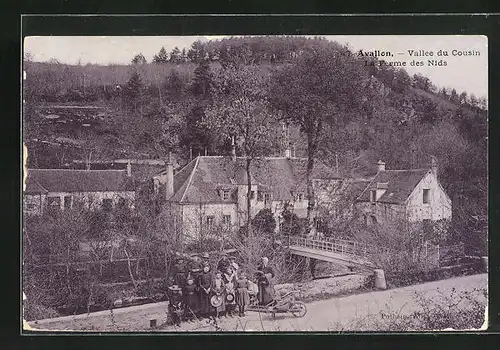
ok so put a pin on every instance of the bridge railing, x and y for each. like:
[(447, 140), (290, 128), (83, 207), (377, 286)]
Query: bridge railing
[(340, 246)]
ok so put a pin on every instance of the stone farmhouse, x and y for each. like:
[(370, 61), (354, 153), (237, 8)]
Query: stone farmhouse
[(61, 189), (409, 196), (211, 191)]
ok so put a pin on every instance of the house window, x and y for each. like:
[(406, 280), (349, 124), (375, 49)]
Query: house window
[(226, 220), (225, 195), (107, 204), (210, 221), (252, 194), (373, 195), (267, 197), (260, 196), (67, 202), (54, 202), (30, 206), (426, 196)]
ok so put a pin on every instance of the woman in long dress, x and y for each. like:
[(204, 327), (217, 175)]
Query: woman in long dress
[(204, 288), (242, 296), (265, 282), (219, 289)]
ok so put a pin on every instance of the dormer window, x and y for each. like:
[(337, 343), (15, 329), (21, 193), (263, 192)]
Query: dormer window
[(225, 194), (300, 197)]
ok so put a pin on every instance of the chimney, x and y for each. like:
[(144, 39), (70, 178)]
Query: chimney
[(434, 166), (129, 169), (233, 149), (169, 185), (380, 166)]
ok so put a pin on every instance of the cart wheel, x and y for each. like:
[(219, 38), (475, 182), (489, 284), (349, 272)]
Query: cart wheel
[(298, 309)]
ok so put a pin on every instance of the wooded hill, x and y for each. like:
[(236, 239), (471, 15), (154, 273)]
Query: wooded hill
[(149, 109)]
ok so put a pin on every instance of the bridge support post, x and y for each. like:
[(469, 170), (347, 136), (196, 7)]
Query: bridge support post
[(380, 282)]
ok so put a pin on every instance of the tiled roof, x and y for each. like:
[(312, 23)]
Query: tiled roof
[(200, 180), (400, 184), (64, 180)]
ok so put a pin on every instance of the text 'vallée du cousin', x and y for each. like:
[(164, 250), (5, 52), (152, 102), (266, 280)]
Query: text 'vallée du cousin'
[(431, 61)]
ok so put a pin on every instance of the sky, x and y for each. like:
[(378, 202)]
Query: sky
[(464, 73)]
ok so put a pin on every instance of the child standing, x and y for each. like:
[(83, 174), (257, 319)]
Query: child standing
[(190, 294), (219, 289), (242, 297), (229, 278)]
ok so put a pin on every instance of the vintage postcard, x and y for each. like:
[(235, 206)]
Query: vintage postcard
[(255, 183)]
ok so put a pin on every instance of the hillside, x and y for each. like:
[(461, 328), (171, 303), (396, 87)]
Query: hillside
[(146, 110)]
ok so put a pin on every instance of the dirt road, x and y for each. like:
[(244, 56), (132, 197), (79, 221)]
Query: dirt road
[(337, 314)]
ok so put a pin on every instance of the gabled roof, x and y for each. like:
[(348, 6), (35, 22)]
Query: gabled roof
[(65, 180), (399, 183), (200, 180)]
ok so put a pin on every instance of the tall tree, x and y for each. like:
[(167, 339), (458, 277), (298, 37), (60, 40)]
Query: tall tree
[(161, 57), (134, 92), (139, 59), (202, 80), (174, 85), (175, 55), (454, 96), (197, 52), (324, 85), (240, 111)]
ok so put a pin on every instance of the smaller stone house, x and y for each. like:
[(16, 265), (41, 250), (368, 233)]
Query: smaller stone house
[(60, 189), (411, 196)]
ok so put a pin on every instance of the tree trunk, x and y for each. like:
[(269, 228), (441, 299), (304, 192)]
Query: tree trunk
[(129, 265), (249, 194), (311, 148)]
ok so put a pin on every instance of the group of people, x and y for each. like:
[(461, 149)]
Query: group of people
[(196, 291)]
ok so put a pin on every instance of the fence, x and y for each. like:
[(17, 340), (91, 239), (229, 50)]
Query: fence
[(343, 247), (435, 254)]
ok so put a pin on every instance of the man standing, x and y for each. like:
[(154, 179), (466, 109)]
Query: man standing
[(223, 264), (180, 272), (195, 267), (265, 282)]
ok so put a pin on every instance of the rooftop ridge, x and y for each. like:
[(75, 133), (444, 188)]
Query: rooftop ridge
[(79, 170), (190, 179), (419, 169)]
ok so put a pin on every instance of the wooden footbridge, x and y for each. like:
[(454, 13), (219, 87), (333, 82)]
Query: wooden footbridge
[(332, 250), (363, 255)]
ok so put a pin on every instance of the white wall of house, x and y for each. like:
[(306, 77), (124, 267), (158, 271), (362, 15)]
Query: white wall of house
[(90, 200), (33, 204), (438, 206), (381, 212), (195, 215)]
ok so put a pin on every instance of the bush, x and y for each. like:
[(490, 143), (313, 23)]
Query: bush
[(34, 311)]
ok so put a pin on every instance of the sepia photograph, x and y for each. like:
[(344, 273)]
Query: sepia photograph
[(268, 183)]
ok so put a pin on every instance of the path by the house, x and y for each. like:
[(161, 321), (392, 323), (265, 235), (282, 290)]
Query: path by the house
[(327, 315)]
